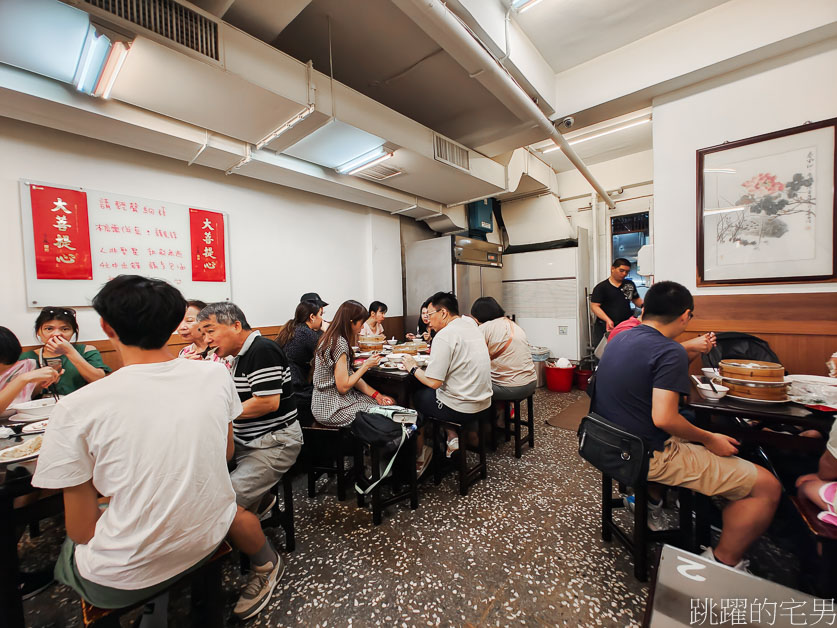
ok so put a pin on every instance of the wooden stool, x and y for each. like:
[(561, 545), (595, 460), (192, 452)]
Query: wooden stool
[(207, 597), (633, 448), (284, 516), (467, 476), (517, 421), (406, 456), (326, 449), (825, 535)]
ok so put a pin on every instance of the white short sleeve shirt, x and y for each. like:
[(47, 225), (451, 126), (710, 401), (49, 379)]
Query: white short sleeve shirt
[(459, 358), (153, 438)]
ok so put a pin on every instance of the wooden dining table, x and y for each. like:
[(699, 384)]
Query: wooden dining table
[(15, 481)]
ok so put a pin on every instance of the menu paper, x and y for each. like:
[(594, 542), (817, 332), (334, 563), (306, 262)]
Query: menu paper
[(61, 233)]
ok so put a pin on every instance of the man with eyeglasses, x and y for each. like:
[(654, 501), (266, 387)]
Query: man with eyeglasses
[(638, 385), (458, 374)]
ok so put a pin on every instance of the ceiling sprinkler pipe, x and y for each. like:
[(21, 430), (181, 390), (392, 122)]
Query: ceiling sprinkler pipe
[(446, 29)]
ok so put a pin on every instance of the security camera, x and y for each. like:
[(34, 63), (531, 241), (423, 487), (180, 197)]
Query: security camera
[(567, 122)]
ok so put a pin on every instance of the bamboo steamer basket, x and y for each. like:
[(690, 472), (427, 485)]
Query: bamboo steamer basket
[(371, 343), (752, 370), (779, 392)]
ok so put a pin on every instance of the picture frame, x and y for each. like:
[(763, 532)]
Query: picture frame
[(767, 208)]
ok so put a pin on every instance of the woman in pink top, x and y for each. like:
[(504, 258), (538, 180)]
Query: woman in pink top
[(512, 369), (373, 325), (188, 330), (19, 379)]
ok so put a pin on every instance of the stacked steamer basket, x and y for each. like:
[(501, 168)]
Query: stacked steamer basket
[(754, 379)]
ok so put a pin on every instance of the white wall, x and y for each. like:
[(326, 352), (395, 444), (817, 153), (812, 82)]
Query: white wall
[(613, 174), (283, 242), (775, 95)]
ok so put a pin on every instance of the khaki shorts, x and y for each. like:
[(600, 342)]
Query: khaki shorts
[(695, 467)]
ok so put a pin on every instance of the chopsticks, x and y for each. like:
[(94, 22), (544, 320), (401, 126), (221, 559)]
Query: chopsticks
[(712, 366)]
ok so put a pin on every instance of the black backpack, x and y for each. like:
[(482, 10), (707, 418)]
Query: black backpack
[(378, 430), (738, 345)]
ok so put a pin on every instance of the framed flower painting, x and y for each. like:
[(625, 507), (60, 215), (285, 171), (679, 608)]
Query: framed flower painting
[(766, 208)]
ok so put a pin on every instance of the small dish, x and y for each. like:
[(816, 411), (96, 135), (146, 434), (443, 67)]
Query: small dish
[(392, 342), (705, 391), (707, 372)]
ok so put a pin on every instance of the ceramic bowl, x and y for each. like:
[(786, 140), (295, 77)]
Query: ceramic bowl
[(706, 391)]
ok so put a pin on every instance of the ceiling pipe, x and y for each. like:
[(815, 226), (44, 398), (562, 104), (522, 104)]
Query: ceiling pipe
[(443, 26)]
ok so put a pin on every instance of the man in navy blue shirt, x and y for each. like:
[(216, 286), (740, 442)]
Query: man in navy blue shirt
[(638, 386)]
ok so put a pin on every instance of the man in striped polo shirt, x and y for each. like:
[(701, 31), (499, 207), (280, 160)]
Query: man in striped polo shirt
[(267, 435)]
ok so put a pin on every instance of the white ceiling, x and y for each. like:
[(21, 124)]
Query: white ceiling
[(570, 32)]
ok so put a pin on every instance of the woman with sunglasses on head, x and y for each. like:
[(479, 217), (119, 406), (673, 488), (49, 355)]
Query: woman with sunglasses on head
[(81, 364)]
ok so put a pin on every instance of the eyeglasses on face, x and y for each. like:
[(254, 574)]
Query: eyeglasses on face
[(429, 313)]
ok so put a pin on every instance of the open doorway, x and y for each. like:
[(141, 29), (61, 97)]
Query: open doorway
[(629, 233)]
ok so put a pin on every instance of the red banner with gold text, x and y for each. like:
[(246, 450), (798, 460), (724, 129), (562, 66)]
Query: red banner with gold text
[(206, 230), (62, 236)]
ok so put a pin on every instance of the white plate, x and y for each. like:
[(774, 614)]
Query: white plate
[(30, 456), (40, 407), (757, 400), (27, 418), (812, 379), (35, 428)]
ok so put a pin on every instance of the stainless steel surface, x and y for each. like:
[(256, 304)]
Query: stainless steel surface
[(471, 251), (491, 282), (428, 269), (467, 286), (540, 371)]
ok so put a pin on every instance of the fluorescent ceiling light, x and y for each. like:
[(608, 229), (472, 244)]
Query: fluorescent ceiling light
[(524, 5), (594, 136), (366, 160), (116, 58), (93, 58), (334, 144), (285, 127)]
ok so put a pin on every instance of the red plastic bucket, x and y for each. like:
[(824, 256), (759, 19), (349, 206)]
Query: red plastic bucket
[(581, 378), (559, 379)]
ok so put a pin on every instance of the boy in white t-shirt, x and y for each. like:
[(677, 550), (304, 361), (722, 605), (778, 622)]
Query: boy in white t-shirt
[(458, 374), (153, 439)]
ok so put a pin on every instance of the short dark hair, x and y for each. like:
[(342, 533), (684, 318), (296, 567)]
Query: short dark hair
[(445, 300), (143, 312), (52, 313), (486, 309), (9, 346), (197, 303), (620, 261), (665, 301), (377, 306), (225, 313)]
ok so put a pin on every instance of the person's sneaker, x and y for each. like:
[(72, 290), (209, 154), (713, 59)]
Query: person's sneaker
[(656, 521), (265, 509), (259, 588), (629, 501), (741, 565)]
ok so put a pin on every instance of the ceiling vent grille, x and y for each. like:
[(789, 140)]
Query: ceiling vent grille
[(450, 153), (379, 172), (167, 19)]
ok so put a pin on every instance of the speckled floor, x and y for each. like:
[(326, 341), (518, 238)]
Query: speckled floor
[(522, 548)]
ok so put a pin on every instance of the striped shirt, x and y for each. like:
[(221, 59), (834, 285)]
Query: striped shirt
[(260, 370)]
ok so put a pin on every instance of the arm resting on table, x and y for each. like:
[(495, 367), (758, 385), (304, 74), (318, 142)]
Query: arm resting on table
[(665, 412), (255, 407)]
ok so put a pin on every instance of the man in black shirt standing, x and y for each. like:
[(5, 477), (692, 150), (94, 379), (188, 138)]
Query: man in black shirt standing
[(611, 299)]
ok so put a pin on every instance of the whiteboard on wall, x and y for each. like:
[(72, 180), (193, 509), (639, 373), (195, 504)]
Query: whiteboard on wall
[(128, 235)]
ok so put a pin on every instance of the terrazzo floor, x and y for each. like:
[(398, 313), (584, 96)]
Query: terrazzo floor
[(522, 548)]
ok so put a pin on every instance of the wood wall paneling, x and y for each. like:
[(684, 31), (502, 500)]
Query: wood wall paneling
[(800, 328)]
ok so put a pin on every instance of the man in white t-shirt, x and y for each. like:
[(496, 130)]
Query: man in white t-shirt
[(458, 374), (153, 439)]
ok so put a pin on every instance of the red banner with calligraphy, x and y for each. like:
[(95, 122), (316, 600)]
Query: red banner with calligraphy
[(206, 231), (62, 235)]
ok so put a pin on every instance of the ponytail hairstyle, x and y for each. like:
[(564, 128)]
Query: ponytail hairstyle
[(304, 311)]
